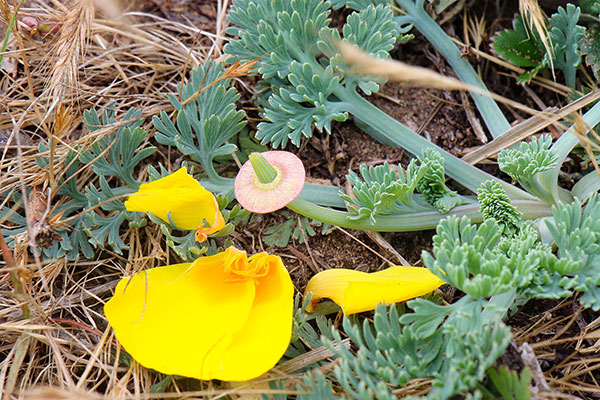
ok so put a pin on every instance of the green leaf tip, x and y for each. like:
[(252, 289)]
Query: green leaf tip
[(433, 184), (495, 204)]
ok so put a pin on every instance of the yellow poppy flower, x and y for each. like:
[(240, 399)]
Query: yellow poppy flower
[(225, 317), (184, 197), (356, 291)]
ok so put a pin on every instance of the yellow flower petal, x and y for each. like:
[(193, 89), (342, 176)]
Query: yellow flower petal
[(184, 197), (261, 342), (222, 317), (356, 291), (180, 319)]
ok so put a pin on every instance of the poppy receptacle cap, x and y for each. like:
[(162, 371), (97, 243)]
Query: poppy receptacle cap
[(269, 181)]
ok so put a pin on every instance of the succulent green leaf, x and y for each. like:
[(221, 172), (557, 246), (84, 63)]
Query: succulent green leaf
[(524, 163), (390, 351), (576, 233), (433, 184), (495, 204), (566, 38), (519, 46), (381, 190), (479, 260)]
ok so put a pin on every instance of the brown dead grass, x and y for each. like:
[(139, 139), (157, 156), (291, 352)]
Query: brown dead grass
[(54, 340)]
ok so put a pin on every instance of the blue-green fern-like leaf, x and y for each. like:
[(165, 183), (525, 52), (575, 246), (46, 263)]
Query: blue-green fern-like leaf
[(373, 31), (124, 148), (295, 109), (566, 38), (208, 119), (275, 32), (295, 51)]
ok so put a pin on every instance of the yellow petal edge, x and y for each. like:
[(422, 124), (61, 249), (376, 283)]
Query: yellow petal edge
[(203, 319), (182, 196), (356, 291)]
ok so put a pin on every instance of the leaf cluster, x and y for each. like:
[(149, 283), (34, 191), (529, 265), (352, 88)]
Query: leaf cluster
[(97, 214), (296, 54), (457, 344), (451, 344), (576, 267), (523, 164), (207, 117), (383, 190), (523, 47), (510, 385)]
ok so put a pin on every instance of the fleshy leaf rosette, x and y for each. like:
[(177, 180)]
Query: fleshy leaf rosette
[(226, 316)]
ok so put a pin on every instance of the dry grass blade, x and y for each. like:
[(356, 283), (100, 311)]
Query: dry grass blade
[(532, 13), (55, 393), (69, 48), (364, 64), (580, 130), (529, 127), (20, 351), (309, 358)]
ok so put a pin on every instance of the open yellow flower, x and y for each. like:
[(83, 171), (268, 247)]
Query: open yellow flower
[(191, 206), (225, 317), (356, 291)]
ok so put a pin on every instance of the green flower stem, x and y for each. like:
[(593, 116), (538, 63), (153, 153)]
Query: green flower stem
[(389, 131), (562, 147), (265, 172), (490, 112), (407, 222), (13, 20)]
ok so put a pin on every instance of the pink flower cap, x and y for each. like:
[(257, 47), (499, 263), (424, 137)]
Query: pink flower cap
[(281, 181)]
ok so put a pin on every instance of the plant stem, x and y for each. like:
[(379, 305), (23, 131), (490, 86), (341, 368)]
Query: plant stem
[(489, 110), (389, 131), (586, 186), (13, 20), (562, 147), (407, 222)]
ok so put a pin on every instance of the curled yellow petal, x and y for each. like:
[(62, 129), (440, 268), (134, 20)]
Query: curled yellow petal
[(261, 342), (179, 194), (194, 320), (356, 291)]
